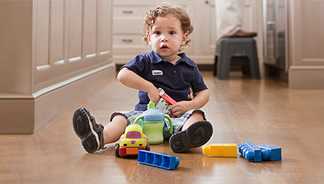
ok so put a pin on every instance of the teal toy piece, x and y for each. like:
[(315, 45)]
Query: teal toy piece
[(156, 125)]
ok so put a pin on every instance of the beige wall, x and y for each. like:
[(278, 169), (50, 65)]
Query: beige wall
[(49, 48)]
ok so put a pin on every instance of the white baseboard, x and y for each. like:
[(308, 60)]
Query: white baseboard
[(306, 77)]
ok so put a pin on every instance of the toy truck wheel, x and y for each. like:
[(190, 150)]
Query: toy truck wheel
[(117, 150)]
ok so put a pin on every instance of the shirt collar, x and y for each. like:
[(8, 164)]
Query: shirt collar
[(155, 58)]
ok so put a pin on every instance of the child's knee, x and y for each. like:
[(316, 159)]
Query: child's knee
[(119, 117), (199, 114)]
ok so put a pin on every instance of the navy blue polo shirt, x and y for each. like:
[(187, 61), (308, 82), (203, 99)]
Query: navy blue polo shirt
[(176, 80)]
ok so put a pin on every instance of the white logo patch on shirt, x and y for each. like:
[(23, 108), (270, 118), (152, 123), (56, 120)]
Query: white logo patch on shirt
[(157, 72)]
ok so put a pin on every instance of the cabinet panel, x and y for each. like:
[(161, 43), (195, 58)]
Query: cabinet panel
[(74, 30), (16, 28), (306, 61), (127, 40), (204, 23), (307, 32), (57, 32), (104, 26), (42, 30), (68, 34), (128, 26), (313, 31), (130, 11), (89, 28)]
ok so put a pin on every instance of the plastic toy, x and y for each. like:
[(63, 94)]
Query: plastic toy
[(166, 97), (131, 141), (156, 125), (270, 152), (220, 150), (261, 152), (250, 152), (159, 160)]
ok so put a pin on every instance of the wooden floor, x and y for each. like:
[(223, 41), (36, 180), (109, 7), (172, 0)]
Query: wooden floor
[(240, 109)]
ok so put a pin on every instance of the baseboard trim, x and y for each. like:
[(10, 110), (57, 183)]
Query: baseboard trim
[(27, 114), (306, 77), (69, 81), (17, 115)]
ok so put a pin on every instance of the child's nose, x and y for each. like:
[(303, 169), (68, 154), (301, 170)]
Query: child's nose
[(163, 37)]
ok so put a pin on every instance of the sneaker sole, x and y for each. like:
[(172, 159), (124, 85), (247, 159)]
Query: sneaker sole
[(196, 135), (85, 131), (90, 143)]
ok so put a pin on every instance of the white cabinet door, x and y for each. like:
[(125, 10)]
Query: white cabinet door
[(204, 35)]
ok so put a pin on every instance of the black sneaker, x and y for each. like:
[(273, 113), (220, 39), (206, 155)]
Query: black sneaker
[(90, 133), (196, 135)]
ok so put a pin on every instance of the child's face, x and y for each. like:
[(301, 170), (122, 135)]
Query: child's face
[(166, 37)]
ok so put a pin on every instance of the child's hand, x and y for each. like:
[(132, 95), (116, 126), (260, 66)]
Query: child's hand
[(154, 94), (180, 107)]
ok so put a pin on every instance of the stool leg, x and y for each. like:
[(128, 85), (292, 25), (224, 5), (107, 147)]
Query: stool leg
[(223, 66), (246, 68), (254, 66), (215, 66), (253, 62)]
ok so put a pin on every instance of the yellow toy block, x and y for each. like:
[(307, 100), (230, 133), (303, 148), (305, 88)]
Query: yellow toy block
[(220, 150)]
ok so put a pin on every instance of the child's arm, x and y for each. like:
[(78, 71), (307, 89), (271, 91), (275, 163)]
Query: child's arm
[(199, 100), (132, 80)]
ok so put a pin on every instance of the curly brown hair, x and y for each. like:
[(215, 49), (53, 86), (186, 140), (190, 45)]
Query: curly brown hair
[(163, 10)]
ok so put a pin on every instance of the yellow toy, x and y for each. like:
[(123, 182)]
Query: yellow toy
[(131, 141), (220, 150)]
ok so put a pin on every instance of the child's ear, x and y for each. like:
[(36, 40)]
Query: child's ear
[(185, 36)]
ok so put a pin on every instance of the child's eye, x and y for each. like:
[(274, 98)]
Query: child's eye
[(172, 32), (157, 32)]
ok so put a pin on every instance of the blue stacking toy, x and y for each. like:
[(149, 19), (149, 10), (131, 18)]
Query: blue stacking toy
[(270, 152), (260, 152), (250, 152), (159, 160)]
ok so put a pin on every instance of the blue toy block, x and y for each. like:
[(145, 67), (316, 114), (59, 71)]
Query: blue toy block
[(250, 152), (270, 152), (260, 152), (159, 160)]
